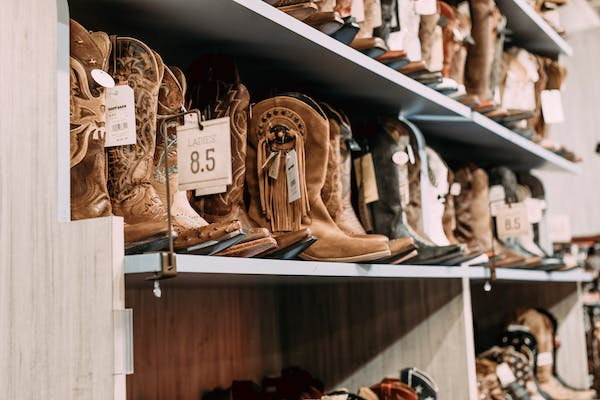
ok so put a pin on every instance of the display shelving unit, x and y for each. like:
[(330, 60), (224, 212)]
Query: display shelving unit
[(350, 324)]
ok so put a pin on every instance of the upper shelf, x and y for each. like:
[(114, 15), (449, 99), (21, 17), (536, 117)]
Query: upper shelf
[(279, 51), (207, 270), (530, 31)]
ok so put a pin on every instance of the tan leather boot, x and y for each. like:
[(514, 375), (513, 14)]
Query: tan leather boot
[(192, 230), (427, 36), (217, 89), (129, 167), (480, 55), (540, 326), (89, 194), (280, 126)]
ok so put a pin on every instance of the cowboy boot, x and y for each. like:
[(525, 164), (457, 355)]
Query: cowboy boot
[(438, 191), (193, 232), (480, 55), (365, 42), (449, 217), (326, 19), (474, 220), (129, 167), (513, 370), (217, 89), (429, 33), (394, 389), (409, 29), (395, 57), (288, 130), (388, 145), (460, 43), (342, 212), (488, 385), (89, 194), (541, 328)]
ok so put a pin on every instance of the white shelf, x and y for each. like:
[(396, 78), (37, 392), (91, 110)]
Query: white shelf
[(291, 52), (206, 270), (530, 31)]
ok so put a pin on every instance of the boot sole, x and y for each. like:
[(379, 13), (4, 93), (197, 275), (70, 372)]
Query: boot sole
[(354, 259)]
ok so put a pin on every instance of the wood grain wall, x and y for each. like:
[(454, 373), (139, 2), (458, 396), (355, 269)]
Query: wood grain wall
[(56, 278), (346, 334)]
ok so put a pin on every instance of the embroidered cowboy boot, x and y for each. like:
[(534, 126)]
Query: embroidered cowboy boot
[(129, 167), (218, 91), (192, 230), (89, 194), (288, 134)]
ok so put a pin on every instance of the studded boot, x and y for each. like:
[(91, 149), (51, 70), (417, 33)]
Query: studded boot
[(296, 129), (219, 93), (89, 194)]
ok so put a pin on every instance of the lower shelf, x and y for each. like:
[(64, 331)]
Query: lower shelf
[(211, 270)]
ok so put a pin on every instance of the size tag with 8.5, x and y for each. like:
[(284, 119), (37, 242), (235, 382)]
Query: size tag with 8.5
[(120, 116), (552, 107), (204, 155), (512, 220), (365, 178)]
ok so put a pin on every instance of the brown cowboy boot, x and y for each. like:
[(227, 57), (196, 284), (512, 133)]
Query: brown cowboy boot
[(217, 89), (338, 178), (89, 194), (192, 230), (129, 167), (365, 42), (480, 55), (280, 127), (428, 30), (540, 326)]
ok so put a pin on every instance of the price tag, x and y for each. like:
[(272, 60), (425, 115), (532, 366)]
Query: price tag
[(400, 158), (365, 178), (102, 78), (293, 178), (426, 7), (512, 221), (552, 108), (120, 116), (497, 197), (505, 374), (455, 189), (204, 155), (559, 228)]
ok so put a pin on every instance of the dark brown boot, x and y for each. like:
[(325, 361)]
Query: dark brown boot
[(89, 194), (480, 55)]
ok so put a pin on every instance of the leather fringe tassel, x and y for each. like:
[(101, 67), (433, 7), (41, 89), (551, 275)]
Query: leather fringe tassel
[(283, 215)]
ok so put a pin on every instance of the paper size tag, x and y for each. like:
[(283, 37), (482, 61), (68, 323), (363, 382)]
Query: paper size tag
[(204, 155), (274, 168), (400, 158), (120, 116), (425, 7), (552, 107), (535, 210), (365, 177), (102, 78), (293, 179), (512, 221), (455, 189), (559, 228)]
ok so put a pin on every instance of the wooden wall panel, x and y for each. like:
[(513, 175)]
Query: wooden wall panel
[(492, 310), (56, 278), (346, 334)]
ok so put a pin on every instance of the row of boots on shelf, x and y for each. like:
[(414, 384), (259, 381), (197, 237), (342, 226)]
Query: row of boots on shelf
[(296, 384), (523, 364), (461, 49), (408, 212)]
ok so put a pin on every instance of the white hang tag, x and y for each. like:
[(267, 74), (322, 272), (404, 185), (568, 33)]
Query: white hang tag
[(293, 178), (512, 221), (559, 228), (210, 190), (102, 78), (455, 189), (269, 159), (535, 210), (552, 107), (544, 359), (365, 176), (505, 374), (120, 116), (497, 197), (274, 168), (411, 154), (425, 7), (204, 155), (400, 158)]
